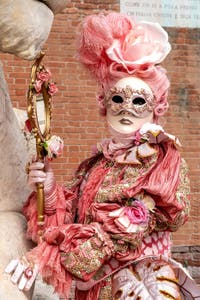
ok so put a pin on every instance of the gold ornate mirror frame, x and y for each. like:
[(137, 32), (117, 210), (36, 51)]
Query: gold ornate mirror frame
[(33, 114)]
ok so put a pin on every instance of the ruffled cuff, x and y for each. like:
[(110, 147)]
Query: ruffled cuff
[(47, 257), (86, 258), (84, 248), (71, 250), (62, 211)]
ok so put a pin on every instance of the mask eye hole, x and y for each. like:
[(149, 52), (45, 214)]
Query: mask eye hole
[(117, 99), (138, 101)]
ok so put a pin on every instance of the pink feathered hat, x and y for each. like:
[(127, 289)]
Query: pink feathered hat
[(112, 45)]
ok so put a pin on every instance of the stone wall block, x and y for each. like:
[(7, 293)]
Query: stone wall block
[(180, 249), (195, 249), (189, 257)]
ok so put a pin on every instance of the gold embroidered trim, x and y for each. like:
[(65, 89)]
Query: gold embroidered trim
[(87, 260), (111, 188), (106, 290)]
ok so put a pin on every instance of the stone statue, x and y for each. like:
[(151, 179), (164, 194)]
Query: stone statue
[(24, 28)]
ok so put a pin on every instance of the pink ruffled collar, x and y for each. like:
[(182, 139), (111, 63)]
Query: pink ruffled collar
[(132, 148)]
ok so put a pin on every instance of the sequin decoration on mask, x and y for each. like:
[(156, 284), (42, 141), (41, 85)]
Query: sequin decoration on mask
[(138, 102)]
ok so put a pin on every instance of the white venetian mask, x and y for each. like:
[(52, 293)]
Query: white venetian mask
[(129, 104)]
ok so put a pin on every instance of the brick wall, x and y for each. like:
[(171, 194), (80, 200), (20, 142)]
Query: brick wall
[(75, 115), (183, 117)]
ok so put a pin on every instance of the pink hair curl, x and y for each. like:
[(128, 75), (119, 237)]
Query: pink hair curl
[(113, 46)]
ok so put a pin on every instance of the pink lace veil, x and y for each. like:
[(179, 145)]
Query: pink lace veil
[(112, 46)]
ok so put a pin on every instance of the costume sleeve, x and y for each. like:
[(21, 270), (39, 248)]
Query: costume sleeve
[(170, 216), (62, 211), (71, 250), (84, 247)]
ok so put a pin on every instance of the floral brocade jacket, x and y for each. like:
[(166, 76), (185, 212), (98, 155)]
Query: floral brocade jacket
[(124, 203)]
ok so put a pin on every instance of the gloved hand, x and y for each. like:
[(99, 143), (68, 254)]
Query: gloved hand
[(39, 172), (42, 173), (22, 272)]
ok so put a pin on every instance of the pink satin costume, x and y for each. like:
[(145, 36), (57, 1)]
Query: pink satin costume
[(100, 243)]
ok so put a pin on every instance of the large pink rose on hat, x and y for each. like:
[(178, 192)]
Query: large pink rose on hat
[(144, 45)]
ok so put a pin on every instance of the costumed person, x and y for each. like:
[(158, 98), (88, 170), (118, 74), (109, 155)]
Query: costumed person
[(109, 230)]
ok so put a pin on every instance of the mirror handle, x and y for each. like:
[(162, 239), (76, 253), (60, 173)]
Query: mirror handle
[(40, 193)]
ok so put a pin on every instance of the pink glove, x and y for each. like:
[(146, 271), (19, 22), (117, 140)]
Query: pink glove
[(22, 273), (42, 173)]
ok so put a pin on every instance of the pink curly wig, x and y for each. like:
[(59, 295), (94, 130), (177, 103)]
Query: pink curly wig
[(113, 46)]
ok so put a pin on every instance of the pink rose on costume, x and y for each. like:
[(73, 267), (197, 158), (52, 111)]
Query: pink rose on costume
[(136, 214), (131, 219), (52, 89), (44, 75), (54, 146), (145, 45), (38, 85)]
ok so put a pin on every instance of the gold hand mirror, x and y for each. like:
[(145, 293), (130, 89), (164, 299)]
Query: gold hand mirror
[(39, 114)]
